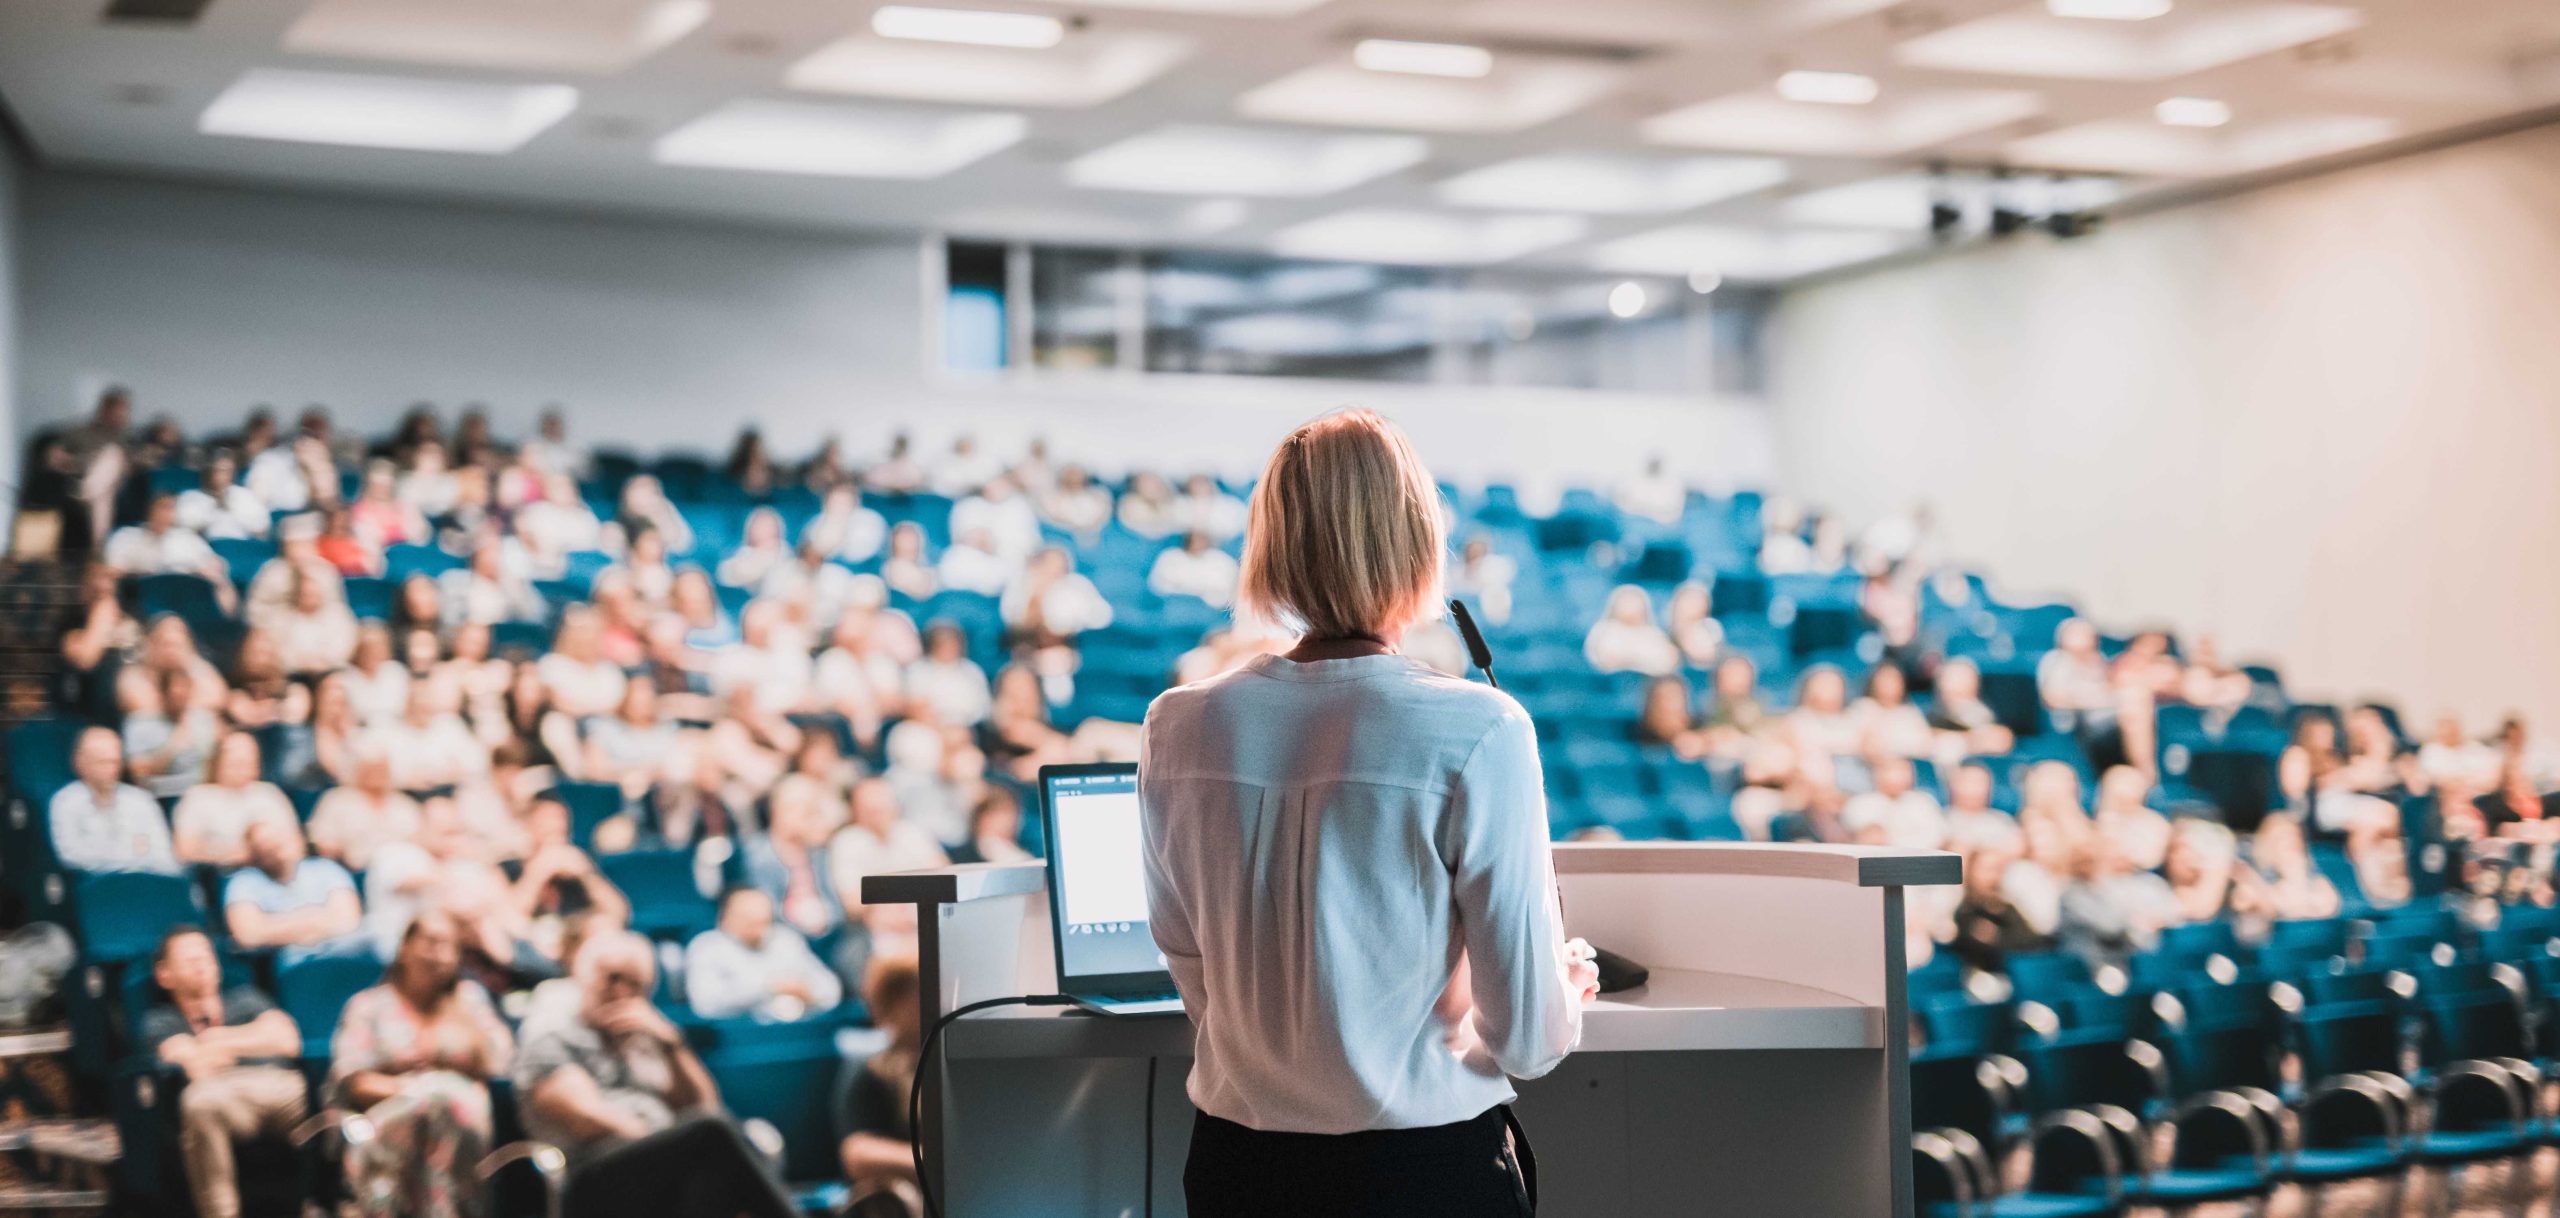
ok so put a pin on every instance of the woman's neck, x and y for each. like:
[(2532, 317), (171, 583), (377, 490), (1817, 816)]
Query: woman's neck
[(1312, 648)]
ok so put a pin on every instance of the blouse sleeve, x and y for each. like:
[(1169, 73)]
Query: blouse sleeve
[(1494, 841), (356, 1047), (493, 1026)]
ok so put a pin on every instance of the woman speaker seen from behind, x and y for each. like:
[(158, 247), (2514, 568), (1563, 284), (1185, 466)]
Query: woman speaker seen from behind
[(1348, 872)]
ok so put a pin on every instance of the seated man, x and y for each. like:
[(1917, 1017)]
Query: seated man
[(748, 966), (286, 899), (612, 1084), (102, 823), (238, 1051), (877, 1156)]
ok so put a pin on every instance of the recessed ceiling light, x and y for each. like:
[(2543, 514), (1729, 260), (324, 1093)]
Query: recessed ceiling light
[(367, 111), (1626, 300), (1213, 215), (1029, 30), (763, 136), (2194, 112), (1703, 281), (1257, 162), (1422, 58), (1829, 88), (2110, 10)]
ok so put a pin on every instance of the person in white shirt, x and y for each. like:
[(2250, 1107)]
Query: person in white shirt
[(1908, 817), (212, 820), (377, 685), (281, 476), (878, 839), (221, 509), (102, 823), (972, 565), (845, 528), (1627, 639), (583, 683), (781, 675), (429, 745), (1654, 494), (557, 525), (761, 548), (493, 589), (751, 965), (1347, 867), (1972, 823), (1147, 507), (2450, 755), (352, 822), (908, 567), (946, 686), (966, 468), (1076, 502), (314, 634), (820, 584), (1197, 568), (1483, 578), (1050, 604), (1004, 515), (1207, 508), (162, 546)]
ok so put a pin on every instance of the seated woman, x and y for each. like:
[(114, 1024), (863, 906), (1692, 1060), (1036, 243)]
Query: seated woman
[(2203, 868), (1888, 724), (1666, 719), (633, 747), (1197, 568), (414, 1055), (353, 821), (1734, 710), (583, 682), (1627, 639), (263, 694), (613, 1085), (995, 831), (1690, 618), (1966, 726), (761, 548), (212, 820), (1017, 733), (2139, 829), (2112, 909), (1989, 925), (1821, 725), (2279, 881), (909, 568), (878, 1156)]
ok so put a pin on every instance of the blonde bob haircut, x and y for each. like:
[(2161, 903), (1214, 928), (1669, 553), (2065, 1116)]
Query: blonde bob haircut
[(1345, 538)]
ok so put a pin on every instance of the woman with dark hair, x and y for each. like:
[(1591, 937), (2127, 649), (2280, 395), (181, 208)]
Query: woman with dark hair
[(415, 1054)]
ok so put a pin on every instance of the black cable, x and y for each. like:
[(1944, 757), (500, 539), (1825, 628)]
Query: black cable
[(915, 1086), (1150, 1190)]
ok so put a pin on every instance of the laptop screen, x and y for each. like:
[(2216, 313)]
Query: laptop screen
[(1097, 873)]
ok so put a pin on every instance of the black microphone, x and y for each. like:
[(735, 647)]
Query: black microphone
[(1481, 655)]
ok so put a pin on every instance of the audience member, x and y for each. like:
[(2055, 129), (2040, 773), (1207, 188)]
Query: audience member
[(751, 965), (101, 823), (285, 899), (879, 1158), (1906, 816), (612, 1083), (239, 1054), (352, 822), (1627, 639), (212, 820), (995, 830), (414, 1055)]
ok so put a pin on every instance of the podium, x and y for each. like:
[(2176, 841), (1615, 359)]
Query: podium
[(1762, 1070)]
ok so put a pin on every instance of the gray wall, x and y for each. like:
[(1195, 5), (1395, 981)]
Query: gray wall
[(207, 299), (2321, 419)]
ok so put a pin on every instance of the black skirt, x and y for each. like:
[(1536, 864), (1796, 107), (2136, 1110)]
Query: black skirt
[(1468, 1169)]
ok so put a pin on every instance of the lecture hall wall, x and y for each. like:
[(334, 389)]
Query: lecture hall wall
[(207, 298), (2321, 419)]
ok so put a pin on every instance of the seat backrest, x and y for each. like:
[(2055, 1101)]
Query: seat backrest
[(2473, 1025), (2077, 1069), (1947, 1092), (2345, 1037), (2047, 977), (313, 991), (121, 915), (2218, 1058)]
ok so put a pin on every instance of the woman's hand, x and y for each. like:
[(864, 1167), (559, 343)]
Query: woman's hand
[(1581, 972)]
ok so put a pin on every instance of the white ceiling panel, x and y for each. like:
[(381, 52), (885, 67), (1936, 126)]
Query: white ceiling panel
[(836, 141), (1256, 161), (587, 36), (391, 112)]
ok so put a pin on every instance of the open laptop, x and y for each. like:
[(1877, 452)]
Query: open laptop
[(1107, 959)]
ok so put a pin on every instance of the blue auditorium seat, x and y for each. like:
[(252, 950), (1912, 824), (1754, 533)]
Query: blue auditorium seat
[(121, 915), (665, 901), (315, 989)]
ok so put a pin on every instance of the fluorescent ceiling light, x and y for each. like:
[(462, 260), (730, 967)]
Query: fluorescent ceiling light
[(1910, 120), (1425, 238), (1522, 92), (385, 111), (2146, 148), (1256, 162), (2110, 10), (2033, 42), (1829, 88), (1422, 58), (972, 26), (1602, 184), (1094, 69), (2193, 112), (1759, 254), (1213, 216), (837, 141), (592, 36)]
